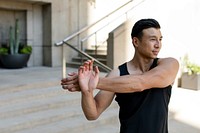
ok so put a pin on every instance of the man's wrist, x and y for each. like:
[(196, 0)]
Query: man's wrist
[(87, 92)]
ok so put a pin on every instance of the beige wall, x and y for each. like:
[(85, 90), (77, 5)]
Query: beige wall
[(8, 19), (33, 27), (50, 21), (180, 26), (120, 47)]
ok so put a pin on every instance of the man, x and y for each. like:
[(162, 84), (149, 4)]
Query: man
[(142, 86)]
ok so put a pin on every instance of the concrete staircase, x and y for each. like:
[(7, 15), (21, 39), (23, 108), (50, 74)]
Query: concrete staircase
[(32, 101), (40, 105), (100, 55)]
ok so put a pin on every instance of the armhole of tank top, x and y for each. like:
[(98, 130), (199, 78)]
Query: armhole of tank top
[(154, 64), (123, 69)]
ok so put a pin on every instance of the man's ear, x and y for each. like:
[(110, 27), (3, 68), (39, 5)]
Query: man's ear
[(135, 41)]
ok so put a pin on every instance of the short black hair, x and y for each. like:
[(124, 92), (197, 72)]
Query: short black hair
[(142, 24)]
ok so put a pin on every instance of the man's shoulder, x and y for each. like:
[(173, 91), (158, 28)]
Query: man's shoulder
[(168, 61)]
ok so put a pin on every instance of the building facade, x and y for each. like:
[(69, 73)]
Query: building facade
[(46, 22)]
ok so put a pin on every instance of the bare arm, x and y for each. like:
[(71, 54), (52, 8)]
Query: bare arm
[(93, 106), (161, 76)]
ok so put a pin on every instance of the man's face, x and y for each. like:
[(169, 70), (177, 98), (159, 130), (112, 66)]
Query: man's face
[(150, 43)]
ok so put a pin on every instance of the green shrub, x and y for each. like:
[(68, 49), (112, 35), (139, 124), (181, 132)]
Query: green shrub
[(192, 68), (4, 50), (26, 50)]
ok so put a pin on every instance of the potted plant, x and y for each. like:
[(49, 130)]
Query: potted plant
[(191, 77), (14, 55)]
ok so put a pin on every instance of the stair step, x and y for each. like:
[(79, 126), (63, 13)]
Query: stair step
[(96, 56), (76, 124), (102, 56), (99, 51), (108, 117), (110, 128), (26, 81), (100, 46), (79, 59), (42, 109), (78, 64), (12, 109), (21, 87), (26, 95), (73, 64)]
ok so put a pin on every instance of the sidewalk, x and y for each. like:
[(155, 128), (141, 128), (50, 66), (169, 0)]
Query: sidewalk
[(184, 116), (185, 110)]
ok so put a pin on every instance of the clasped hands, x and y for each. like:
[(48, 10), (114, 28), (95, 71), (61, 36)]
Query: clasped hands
[(86, 79)]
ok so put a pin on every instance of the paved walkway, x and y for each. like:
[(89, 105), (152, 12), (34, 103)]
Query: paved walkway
[(185, 110), (184, 116)]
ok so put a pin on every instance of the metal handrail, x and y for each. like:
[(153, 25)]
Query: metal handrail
[(81, 31), (87, 27), (105, 25), (108, 69)]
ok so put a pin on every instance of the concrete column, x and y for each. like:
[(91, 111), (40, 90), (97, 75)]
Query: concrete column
[(47, 35), (29, 27), (37, 35), (120, 47)]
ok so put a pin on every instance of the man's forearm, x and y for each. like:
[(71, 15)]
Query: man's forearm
[(121, 85), (89, 105)]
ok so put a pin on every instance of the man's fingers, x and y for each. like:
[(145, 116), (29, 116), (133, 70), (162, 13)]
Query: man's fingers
[(73, 77), (80, 70), (88, 64), (72, 74), (96, 69), (71, 87), (91, 64), (68, 82)]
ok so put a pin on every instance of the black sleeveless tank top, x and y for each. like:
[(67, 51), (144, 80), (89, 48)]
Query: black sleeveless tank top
[(146, 111)]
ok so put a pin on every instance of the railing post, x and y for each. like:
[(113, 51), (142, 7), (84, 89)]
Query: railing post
[(81, 50), (63, 62), (96, 43)]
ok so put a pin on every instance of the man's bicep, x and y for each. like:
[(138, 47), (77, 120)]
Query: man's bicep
[(103, 100), (164, 74)]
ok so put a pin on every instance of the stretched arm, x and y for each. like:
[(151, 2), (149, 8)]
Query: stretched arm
[(161, 76), (88, 81), (92, 106)]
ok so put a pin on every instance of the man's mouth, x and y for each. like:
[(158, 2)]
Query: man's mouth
[(155, 52)]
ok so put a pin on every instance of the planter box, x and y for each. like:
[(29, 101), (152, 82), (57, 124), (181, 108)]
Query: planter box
[(190, 81), (14, 61)]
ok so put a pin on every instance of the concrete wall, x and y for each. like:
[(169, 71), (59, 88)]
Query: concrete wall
[(69, 16), (120, 47), (180, 26), (8, 19), (32, 25), (50, 21)]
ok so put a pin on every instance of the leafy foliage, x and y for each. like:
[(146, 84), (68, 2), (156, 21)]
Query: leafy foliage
[(23, 49), (4, 50), (15, 47), (192, 68), (26, 50)]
